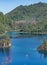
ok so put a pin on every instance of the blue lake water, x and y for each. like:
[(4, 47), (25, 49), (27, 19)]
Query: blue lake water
[(24, 52)]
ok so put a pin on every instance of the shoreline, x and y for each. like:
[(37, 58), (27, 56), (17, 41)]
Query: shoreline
[(6, 46), (37, 33), (43, 47)]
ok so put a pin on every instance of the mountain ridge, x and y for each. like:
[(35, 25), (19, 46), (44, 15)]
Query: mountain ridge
[(31, 18), (24, 12)]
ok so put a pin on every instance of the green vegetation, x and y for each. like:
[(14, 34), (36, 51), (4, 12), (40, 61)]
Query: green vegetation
[(5, 42), (43, 47), (32, 18), (45, 44), (5, 23), (37, 11)]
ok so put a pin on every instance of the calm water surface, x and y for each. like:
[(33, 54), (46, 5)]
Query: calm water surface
[(24, 52)]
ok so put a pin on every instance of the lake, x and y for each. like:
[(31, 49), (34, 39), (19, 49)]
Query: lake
[(24, 51)]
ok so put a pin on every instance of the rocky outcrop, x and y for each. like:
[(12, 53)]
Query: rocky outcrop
[(43, 47), (40, 48), (5, 43)]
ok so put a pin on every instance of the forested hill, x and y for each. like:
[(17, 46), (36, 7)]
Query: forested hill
[(38, 11), (24, 16), (31, 18), (5, 23)]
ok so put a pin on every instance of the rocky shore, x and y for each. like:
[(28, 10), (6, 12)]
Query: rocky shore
[(43, 47), (5, 42)]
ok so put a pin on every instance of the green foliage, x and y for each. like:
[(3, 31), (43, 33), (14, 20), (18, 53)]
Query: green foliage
[(34, 19), (45, 44), (36, 11), (5, 23)]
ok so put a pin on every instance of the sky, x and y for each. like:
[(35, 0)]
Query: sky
[(8, 5)]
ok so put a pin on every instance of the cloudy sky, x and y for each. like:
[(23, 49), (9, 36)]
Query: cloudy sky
[(8, 5)]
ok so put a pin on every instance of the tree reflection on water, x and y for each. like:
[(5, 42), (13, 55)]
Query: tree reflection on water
[(6, 59), (44, 53)]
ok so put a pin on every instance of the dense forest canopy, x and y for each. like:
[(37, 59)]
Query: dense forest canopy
[(31, 18), (5, 23), (38, 11)]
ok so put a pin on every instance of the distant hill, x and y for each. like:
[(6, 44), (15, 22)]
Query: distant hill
[(24, 16), (37, 11)]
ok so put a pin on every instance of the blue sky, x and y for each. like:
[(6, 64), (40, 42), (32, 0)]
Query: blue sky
[(8, 5)]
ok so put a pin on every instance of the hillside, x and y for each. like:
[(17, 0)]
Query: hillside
[(30, 18), (5, 23), (38, 11)]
